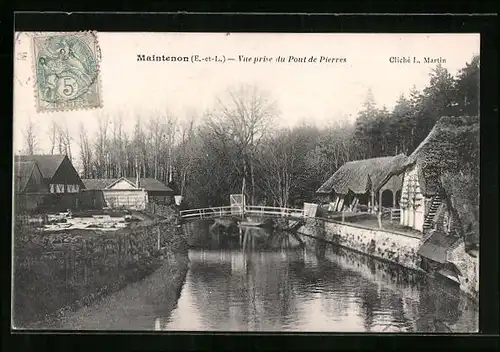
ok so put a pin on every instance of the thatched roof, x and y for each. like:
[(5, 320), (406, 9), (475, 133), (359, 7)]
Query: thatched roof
[(438, 150), (361, 175)]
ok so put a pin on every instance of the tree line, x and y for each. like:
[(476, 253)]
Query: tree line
[(237, 147)]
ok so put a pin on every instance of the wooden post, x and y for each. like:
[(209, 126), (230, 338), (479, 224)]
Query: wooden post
[(158, 245), (104, 249), (125, 246), (372, 202), (85, 260), (66, 259), (394, 199), (119, 250), (73, 265), (245, 239)]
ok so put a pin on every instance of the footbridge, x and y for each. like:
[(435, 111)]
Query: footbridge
[(242, 212)]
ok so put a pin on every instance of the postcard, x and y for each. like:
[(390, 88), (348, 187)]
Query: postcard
[(269, 182)]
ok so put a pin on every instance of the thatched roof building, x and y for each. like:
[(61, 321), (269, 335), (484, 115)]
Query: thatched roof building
[(361, 176), (446, 148), (447, 165)]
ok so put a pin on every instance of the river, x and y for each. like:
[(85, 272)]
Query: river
[(285, 288)]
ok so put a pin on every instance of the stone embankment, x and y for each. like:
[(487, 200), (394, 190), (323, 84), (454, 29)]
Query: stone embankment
[(389, 246), (57, 272), (385, 245)]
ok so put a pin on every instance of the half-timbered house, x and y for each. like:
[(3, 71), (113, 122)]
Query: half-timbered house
[(58, 177)]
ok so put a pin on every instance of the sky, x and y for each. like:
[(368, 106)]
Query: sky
[(315, 92)]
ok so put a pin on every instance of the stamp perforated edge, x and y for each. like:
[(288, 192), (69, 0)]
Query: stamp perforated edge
[(97, 80)]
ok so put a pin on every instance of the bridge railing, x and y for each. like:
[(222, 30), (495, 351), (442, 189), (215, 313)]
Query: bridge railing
[(276, 211), (207, 213)]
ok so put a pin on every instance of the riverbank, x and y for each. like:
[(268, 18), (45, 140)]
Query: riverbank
[(56, 276), (132, 307), (393, 247)]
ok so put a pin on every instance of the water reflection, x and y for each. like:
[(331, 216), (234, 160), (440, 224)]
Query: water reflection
[(276, 284), (320, 289)]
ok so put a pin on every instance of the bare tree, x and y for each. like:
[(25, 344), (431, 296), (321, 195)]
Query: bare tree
[(245, 115), (30, 138), (101, 147), (65, 137), (53, 134), (186, 149), (284, 163), (116, 153), (85, 153)]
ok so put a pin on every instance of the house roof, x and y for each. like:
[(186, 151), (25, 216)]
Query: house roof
[(436, 247), (48, 164), (358, 176), (23, 172), (149, 184), (97, 183), (439, 147)]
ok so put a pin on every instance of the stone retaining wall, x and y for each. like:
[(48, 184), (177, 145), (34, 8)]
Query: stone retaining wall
[(381, 244), (393, 247)]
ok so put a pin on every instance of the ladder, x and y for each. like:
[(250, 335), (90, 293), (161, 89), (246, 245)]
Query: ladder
[(431, 214)]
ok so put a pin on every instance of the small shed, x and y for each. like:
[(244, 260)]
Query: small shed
[(126, 192), (435, 253)]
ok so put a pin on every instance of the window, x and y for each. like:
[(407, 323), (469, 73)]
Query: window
[(73, 188)]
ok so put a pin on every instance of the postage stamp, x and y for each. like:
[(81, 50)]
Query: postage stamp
[(66, 67)]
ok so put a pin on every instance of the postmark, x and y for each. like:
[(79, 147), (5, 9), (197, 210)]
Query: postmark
[(66, 68)]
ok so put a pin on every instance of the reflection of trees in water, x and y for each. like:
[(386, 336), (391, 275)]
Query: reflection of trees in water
[(370, 301), (411, 303), (270, 276), (209, 288), (264, 294), (395, 303), (260, 298), (415, 302), (438, 307)]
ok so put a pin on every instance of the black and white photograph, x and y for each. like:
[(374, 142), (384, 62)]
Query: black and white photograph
[(246, 182)]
